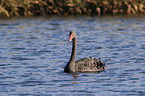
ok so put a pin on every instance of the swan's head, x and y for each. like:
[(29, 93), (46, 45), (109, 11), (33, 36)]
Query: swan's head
[(72, 35)]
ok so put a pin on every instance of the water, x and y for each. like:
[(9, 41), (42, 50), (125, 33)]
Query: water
[(34, 51)]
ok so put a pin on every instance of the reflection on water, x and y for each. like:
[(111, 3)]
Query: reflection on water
[(34, 51)]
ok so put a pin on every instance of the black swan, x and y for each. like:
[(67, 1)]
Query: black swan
[(83, 65)]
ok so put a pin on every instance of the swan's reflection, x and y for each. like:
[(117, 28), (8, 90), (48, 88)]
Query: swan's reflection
[(75, 76)]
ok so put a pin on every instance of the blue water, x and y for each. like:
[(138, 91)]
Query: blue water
[(34, 51)]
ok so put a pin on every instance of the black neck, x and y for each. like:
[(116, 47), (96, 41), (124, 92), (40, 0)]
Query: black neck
[(74, 49), (70, 67)]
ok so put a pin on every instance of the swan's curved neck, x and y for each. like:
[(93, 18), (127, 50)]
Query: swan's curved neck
[(70, 67), (74, 49)]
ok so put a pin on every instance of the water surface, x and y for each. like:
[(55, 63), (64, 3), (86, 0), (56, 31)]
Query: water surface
[(34, 51)]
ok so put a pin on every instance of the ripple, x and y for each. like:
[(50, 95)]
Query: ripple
[(22, 58)]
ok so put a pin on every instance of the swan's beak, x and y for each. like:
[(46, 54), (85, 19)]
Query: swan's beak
[(70, 38)]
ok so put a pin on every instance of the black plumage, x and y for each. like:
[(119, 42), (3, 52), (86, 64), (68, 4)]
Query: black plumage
[(83, 65)]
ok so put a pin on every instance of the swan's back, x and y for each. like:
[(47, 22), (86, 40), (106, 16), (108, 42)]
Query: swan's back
[(89, 65)]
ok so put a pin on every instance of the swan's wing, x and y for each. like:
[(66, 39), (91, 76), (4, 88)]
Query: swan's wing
[(88, 64)]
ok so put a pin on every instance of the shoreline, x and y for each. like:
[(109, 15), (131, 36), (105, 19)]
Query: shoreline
[(28, 8)]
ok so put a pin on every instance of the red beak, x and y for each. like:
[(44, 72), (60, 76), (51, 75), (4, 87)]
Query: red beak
[(70, 37)]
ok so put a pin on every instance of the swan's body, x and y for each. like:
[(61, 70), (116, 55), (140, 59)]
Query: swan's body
[(83, 65)]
